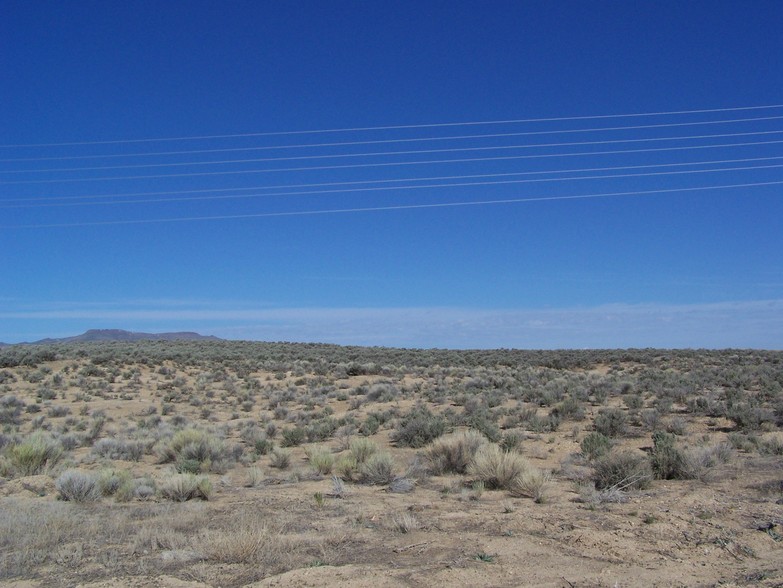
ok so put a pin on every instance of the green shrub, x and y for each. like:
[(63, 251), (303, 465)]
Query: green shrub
[(610, 422), (570, 408), (122, 449), (595, 445), (633, 401), (36, 454), (511, 441), (748, 417), (262, 446), (293, 437), (370, 425), (667, 461), (321, 430), (454, 453)]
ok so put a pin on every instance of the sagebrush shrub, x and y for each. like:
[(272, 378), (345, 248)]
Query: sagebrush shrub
[(595, 445), (119, 449), (77, 486), (293, 437), (610, 422), (667, 460), (419, 427)]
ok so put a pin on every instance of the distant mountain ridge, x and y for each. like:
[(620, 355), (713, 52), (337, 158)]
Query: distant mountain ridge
[(95, 335)]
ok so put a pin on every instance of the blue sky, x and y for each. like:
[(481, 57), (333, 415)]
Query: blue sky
[(672, 259)]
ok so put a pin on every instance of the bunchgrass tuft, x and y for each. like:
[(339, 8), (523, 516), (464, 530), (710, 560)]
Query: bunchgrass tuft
[(453, 453), (498, 469)]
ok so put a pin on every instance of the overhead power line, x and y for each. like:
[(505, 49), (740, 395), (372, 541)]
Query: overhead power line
[(410, 187), (390, 208), (114, 198), (414, 140), (370, 154), (394, 127), (388, 164)]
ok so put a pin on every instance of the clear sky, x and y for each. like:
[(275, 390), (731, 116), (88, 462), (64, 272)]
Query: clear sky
[(148, 149)]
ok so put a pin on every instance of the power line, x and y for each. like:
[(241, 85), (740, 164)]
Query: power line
[(390, 164), (392, 180), (26, 202), (413, 187), (414, 139), (395, 127), (370, 154), (389, 208)]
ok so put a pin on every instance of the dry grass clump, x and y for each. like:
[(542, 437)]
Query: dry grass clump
[(36, 454), (193, 451), (248, 543), (184, 487), (362, 448), (377, 470), (404, 522), (498, 469), (345, 467), (121, 485), (119, 449), (320, 459), (454, 453), (623, 470), (280, 459), (534, 483)]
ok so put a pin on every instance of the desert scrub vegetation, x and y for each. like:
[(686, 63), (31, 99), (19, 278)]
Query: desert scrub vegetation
[(454, 453), (418, 427), (77, 486), (193, 451), (622, 470), (497, 469), (184, 487), (378, 469), (36, 454), (148, 431)]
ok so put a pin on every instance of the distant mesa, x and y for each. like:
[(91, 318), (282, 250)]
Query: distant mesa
[(121, 335)]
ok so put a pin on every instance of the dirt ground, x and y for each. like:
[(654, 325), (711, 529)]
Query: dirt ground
[(293, 526)]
